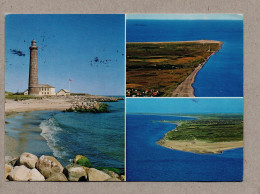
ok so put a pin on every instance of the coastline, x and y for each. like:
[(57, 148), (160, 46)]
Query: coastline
[(196, 146), (52, 103), (185, 89), (200, 147)]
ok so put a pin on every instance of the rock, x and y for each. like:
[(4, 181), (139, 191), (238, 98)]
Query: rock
[(20, 173), (77, 157), (57, 177), (84, 162), (122, 177), (112, 174), (35, 175), (97, 175), (113, 179), (14, 162), (8, 169), (48, 165), (27, 159), (75, 172), (10, 160)]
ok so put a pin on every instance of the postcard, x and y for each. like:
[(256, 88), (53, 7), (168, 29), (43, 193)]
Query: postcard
[(124, 97)]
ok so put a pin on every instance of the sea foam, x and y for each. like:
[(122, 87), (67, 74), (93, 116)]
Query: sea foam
[(50, 130)]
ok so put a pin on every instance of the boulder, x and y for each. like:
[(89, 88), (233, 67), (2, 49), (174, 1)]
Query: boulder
[(14, 162), (35, 175), (75, 172), (122, 177), (111, 173), (113, 179), (97, 175), (8, 169), (48, 165), (10, 160), (27, 159), (77, 157), (20, 173), (57, 177), (82, 160)]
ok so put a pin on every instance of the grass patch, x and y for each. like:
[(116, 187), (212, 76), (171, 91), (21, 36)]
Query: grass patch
[(18, 97), (212, 129)]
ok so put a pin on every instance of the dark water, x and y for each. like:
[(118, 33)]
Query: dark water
[(222, 76), (100, 137), (147, 161)]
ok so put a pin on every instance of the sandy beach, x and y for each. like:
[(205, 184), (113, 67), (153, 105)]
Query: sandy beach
[(185, 89), (12, 106), (200, 147)]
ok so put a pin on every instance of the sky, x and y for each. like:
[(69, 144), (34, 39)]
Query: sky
[(184, 105), (186, 16), (88, 49)]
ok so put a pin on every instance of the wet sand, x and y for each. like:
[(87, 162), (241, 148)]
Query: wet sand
[(11, 146), (200, 147)]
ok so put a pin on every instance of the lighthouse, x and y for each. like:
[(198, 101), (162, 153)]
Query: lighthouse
[(33, 87)]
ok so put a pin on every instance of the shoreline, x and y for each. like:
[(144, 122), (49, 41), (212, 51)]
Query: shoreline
[(10, 145), (185, 89), (200, 147), (51, 103), (196, 146)]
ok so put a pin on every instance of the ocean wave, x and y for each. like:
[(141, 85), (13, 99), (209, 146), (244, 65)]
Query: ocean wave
[(50, 130)]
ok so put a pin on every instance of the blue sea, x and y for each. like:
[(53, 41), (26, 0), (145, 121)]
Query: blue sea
[(222, 75), (147, 161), (100, 137)]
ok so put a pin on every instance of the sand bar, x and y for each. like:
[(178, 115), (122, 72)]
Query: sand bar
[(200, 147)]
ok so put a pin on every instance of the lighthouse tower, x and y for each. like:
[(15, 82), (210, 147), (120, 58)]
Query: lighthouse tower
[(33, 88)]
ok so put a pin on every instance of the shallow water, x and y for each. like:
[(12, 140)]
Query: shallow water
[(222, 75), (64, 135), (147, 161)]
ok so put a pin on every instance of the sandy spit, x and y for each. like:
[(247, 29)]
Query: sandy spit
[(200, 147)]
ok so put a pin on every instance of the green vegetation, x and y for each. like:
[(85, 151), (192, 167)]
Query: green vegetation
[(117, 171), (19, 96), (84, 162), (163, 66), (214, 129)]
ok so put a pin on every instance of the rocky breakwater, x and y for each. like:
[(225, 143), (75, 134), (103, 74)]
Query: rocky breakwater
[(29, 167), (91, 104), (86, 106)]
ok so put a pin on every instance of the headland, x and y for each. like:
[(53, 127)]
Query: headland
[(206, 135)]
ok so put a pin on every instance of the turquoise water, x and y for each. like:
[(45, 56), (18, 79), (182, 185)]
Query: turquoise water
[(147, 161), (100, 137), (222, 75)]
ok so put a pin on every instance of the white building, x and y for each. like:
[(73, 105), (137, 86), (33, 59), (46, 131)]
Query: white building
[(25, 92), (63, 92), (44, 90)]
